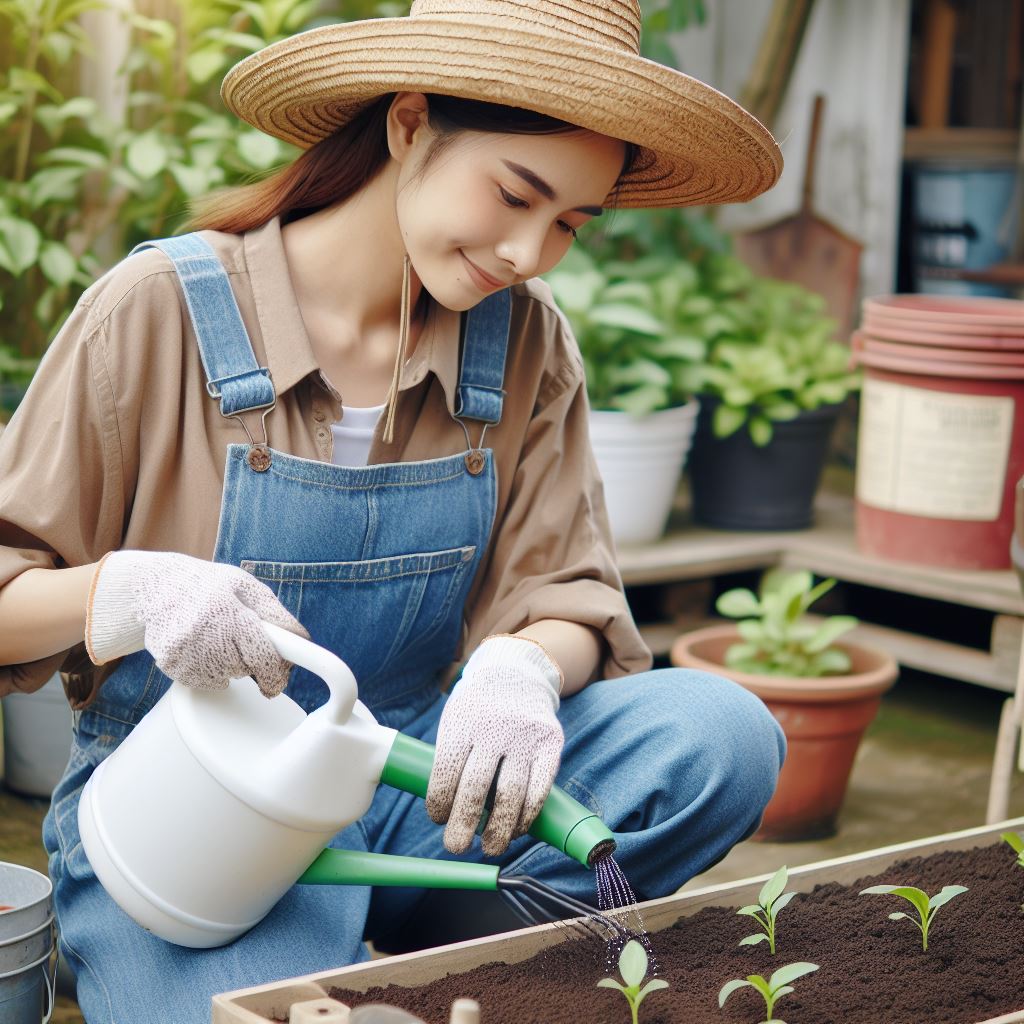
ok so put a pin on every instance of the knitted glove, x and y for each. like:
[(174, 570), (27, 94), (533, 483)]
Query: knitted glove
[(200, 620), (499, 720)]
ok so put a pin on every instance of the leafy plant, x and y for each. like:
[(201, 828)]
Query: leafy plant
[(84, 181), (772, 990), (924, 905), (770, 901), (629, 319), (779, 638), (633, 969)]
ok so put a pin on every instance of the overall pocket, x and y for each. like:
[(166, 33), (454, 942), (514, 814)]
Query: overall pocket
[(395, 621)]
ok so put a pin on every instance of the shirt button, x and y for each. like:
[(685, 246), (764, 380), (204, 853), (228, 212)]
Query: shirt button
[(322, 433)]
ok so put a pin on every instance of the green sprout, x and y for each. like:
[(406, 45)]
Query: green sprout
[(919, 899), (1016, 840), (777, 986), (633, 968), (770, 901)]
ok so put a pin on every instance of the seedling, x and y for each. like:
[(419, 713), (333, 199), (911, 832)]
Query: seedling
[(1016, 840), (772, 990), (924, 905), (770, 901), (633, 968)]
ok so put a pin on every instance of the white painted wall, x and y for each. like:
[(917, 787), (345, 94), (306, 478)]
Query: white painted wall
[(855, 53)]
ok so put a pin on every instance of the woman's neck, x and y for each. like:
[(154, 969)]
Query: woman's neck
[(346, 269)]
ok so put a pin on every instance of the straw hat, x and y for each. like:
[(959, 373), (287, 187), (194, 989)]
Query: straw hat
[(575, 60)]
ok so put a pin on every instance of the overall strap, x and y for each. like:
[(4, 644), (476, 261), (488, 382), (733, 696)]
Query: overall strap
[(232, 373), (480, 393)]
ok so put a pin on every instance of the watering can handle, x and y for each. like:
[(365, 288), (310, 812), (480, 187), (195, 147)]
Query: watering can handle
[(323, 663)]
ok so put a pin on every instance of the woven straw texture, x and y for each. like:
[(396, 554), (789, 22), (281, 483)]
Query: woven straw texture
[(576, 60)]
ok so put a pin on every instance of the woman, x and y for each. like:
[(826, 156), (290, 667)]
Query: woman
[(347, 406)]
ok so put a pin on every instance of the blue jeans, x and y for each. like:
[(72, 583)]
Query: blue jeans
[(679, 764)]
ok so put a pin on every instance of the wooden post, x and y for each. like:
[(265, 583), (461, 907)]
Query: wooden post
[(937, 63)]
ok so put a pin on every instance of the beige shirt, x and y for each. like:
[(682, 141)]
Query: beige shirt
[(118, 445)]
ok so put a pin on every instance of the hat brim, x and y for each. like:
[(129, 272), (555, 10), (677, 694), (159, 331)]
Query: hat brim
[(698, 146)]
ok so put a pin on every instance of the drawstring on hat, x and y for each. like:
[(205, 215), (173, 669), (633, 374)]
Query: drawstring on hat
[(403, 345)]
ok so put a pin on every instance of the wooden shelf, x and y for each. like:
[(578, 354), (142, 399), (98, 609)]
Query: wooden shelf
[(690, 552), (972, 144)]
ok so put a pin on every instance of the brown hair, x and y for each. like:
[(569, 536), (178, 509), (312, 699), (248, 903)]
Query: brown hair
[(339, 165)]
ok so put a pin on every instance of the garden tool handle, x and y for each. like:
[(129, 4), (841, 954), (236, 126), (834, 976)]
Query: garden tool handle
[(563, 822), (323, 663), (359, 867)]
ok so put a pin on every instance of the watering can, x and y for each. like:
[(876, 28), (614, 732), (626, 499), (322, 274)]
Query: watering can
[(218, 801)]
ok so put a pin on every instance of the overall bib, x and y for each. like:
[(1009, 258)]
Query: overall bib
[(376, 562)]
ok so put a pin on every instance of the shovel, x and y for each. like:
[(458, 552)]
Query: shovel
[(806, 249)]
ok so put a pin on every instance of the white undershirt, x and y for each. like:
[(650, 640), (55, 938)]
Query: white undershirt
[(354, 434)]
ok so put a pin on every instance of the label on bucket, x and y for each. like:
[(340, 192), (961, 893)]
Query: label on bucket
[(932, 453)]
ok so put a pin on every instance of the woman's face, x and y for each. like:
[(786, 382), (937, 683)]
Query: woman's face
[(492, 210)]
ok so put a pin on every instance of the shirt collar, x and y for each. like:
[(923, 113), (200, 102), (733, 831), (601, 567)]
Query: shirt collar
[(290, 355)]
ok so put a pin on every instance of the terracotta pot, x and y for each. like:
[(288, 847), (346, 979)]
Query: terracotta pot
[(823, 719)]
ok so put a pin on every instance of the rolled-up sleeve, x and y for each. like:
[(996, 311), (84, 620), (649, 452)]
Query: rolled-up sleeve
[(552, 556), (61, 488)]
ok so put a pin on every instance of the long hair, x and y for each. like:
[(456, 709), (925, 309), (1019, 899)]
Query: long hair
[(339, 165)]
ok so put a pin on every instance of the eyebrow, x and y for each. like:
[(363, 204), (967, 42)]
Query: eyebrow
[(541, 186)]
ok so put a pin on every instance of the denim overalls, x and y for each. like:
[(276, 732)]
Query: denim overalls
[(376, 562)]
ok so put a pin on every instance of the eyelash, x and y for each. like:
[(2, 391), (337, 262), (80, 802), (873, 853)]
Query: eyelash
[(516, 202)]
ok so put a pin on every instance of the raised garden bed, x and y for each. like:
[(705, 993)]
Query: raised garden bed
[(871, 969)]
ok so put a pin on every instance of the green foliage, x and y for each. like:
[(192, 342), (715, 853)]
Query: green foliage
[(633, 969), (779, 638), (1016, 841), (924, 905), (772, 990), (770, 901), (630, 322), (81, 185)]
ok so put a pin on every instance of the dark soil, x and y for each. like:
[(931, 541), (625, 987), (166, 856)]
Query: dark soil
[(872, 970)]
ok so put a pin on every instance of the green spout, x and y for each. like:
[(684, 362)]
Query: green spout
[(356, 867), (563, 822)]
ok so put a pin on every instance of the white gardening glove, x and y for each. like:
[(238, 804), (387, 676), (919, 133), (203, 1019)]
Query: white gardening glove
[(500, 718), (200, 620)]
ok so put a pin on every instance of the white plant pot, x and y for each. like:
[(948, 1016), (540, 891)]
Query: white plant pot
[(640, 459), (37, 739)]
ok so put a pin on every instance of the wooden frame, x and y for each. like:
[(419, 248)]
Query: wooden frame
[(264, 1002)]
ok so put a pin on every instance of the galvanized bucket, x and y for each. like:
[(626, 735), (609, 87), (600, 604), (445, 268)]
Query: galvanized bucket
[(28, 962)]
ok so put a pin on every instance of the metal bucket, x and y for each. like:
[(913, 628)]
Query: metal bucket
[(27, 948)]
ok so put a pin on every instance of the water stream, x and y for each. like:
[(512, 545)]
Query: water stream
[(615, 893)]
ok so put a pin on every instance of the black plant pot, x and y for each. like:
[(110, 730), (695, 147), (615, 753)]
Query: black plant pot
[(735, 485)]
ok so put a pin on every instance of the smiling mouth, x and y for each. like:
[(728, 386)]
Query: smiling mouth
[(485, 277)]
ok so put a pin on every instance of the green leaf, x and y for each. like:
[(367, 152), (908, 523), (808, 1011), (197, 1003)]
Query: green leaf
[(753, 940), (832, 662), (146, 156), (727, 420), (75, 155), (57, 263), (652, 986), (772, 889), (633, 963), (945, 894), (784, 975), (19, 244), (830, 631), (626, 317), (193, 181), (738, 603), (728, 988), (760, 430), (749, 911), (1015, 839), (898, 916), (54, 184), (610, 983), (782, 902), (259, 150), (203, 65)]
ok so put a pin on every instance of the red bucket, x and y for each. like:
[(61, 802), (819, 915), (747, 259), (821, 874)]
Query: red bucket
[(940, 444)]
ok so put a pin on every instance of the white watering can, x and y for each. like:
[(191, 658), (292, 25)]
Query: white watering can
[(218, 801)]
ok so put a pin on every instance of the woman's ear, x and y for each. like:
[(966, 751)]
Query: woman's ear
[(407, 123)]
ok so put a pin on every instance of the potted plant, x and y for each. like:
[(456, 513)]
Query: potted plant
[(823, 692), (771, 391), (642, 368)]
